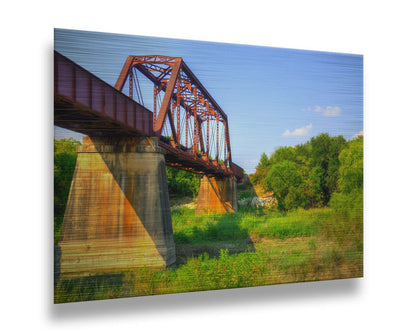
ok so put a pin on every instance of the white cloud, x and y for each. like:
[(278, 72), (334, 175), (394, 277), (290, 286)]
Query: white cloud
[(329, 111), (356, 136), (299, 131)]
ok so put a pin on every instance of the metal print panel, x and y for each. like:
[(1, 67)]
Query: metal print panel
[(188, 166)]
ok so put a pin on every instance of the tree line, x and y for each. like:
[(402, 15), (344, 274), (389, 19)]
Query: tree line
[(325, 171)]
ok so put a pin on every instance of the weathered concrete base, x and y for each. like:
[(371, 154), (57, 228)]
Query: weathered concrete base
[(217, 195), (118, 214)]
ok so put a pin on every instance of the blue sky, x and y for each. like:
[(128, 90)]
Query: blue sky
[(273, 96)]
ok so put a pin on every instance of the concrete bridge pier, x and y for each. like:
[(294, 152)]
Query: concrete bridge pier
[(118, 214), (217, 195)]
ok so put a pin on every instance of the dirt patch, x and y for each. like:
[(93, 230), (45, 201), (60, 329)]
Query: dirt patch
[(177, 201)]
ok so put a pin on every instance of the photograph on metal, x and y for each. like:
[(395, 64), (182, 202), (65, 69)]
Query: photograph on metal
[(183, 165)]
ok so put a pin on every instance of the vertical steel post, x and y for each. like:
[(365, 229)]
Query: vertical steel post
[(172, 110), (208, 136), (218, 142), (186, 131), (178, 112), (131, 83), (195, 147)]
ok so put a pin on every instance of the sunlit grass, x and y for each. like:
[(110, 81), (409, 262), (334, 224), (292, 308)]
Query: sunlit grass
[(252, 247)]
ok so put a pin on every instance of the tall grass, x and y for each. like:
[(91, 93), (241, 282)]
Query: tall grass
[(196, 229), (190, 228), (301, 245)]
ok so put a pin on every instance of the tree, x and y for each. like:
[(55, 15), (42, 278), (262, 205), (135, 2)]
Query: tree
[(324, 154), (259, 177), (182, 182), (348, 200), (283, 154), (264, 160), (306, 175), (351, 167), (65, 157), (285, 180), (313, 188)]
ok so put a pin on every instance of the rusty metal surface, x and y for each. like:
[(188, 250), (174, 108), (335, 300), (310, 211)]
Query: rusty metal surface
[(183, 91), (86, 104)]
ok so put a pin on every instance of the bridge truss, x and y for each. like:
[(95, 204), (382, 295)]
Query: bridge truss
[(190, 125)]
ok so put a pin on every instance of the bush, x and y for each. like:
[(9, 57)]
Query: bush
[(305, 175), (348, 201), (182, 182), (349, 205), (65, 157), (285, 180), (351, 167), (228, 271)]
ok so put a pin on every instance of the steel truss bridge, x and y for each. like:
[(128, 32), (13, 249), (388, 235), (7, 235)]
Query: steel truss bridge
[(189, 124)]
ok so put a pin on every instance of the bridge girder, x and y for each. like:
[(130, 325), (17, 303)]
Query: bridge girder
[(198, 126), (187, 94)]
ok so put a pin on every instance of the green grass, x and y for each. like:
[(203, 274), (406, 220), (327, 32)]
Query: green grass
[(252, 247), (200, 273), (57, 228), (103, 286), (192, 229)]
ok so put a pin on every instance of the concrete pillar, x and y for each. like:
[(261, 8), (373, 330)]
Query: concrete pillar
[(118, 214), (217, 195)]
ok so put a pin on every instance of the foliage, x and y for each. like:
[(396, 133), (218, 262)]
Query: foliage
[(348, 200), (302, 176), (101, 286), (182, 182), (285, 180), (324, 154), (259, 177), (232, 227), (313, 187), (65, 157), (351, 167), (300, 245), (203, 229), (226, 271), (262, 246)]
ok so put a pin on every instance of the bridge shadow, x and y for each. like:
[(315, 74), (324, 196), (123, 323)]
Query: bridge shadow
[(128, 196), (221, 232)]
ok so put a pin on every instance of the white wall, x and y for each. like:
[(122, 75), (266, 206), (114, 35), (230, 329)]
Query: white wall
[(383, 32)]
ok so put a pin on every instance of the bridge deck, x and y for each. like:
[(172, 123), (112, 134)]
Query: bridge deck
[(86, 104)]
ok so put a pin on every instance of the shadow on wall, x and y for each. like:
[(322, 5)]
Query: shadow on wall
[(118, 213)]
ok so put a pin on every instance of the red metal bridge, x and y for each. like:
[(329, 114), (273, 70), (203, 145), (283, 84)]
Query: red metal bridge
[(190, 125)]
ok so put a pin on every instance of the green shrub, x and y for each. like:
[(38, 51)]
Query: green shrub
[(348, 200), (181, 182), (285, 180), (65, 157), (227, 271)]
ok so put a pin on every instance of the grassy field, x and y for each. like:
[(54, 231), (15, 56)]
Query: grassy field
[(251, 247)]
